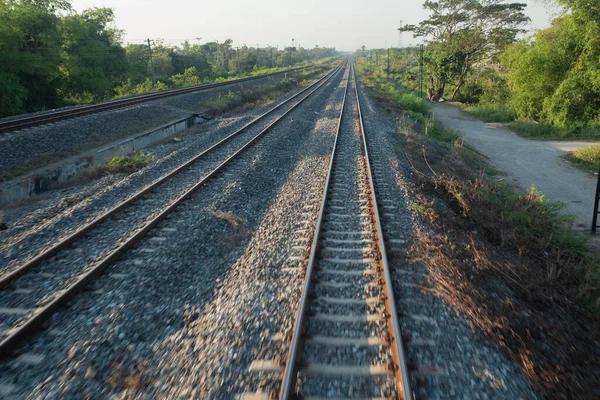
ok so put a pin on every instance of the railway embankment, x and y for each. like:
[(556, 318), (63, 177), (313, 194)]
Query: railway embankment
[(42, 157)]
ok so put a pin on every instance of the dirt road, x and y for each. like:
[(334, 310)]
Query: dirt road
[(528, 162)]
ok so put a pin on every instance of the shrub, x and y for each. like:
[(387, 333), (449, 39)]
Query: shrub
[(129, 88), (129, 163), (530, 129), (587, 158), (190, 77), (489, 113)]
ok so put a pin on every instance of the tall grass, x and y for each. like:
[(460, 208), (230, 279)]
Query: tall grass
[(489, 112), (587, 158), (534, 130)]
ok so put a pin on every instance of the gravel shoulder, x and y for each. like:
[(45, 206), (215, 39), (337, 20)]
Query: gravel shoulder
[(184, 314), (527, 162)]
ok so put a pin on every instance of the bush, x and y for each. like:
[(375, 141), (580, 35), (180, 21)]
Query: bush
[(533, 130), (489, 113), (470, 92), (129, 88), (190, 77), (409, 101), (129, 163)]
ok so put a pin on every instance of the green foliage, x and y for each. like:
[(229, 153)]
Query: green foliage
[(12, 94), (189, 77), (555, 79), (536, 219), (534, 130), (489, 112), (92, 58), (129, 163), (52, 56), (129, 88), (415, 111), (30, 54), (462, 33)]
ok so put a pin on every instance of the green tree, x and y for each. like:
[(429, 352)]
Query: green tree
[(138, 63), (30, 54), (93, 60), (243, 62), (463, 33), (222, 56), (192, 57), (189, 77), (555, 78), (162, 57)]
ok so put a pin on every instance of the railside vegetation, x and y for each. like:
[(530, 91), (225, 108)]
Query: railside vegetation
[(507, 261), (545, 84), (52, 56)]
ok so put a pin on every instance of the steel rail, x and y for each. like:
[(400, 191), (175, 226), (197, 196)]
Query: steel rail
[(288, 386), (291, 368), (27, 122), (8, 278), (18, 334)]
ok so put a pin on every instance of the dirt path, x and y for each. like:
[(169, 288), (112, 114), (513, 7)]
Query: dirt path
[(528, 162)]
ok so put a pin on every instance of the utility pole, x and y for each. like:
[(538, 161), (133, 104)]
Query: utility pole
[(272, 61), (152, 65), (388, 69), (400, 35), (421, 74), (291, 52)]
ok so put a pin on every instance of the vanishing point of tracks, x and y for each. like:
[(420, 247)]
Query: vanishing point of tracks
[(346, 341), (58, 115), (32, 292)]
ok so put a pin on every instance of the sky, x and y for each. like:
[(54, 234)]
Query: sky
[(343, 24)]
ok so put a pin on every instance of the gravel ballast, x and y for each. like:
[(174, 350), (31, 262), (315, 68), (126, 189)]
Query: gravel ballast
[(347, 214), (186, 312), (36, 225)]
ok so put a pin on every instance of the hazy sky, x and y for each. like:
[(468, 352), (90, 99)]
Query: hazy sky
[(344, 24)]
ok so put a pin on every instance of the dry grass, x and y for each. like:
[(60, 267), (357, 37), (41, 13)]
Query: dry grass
[(124, 378), (240, 231), (512, 266)]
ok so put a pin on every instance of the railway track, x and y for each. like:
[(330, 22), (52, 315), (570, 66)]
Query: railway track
[(34, 291), (61, 114), (346, 339)]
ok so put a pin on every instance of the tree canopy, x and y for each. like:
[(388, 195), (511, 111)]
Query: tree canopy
[(555, 78), (463, 33), (52, 56)]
